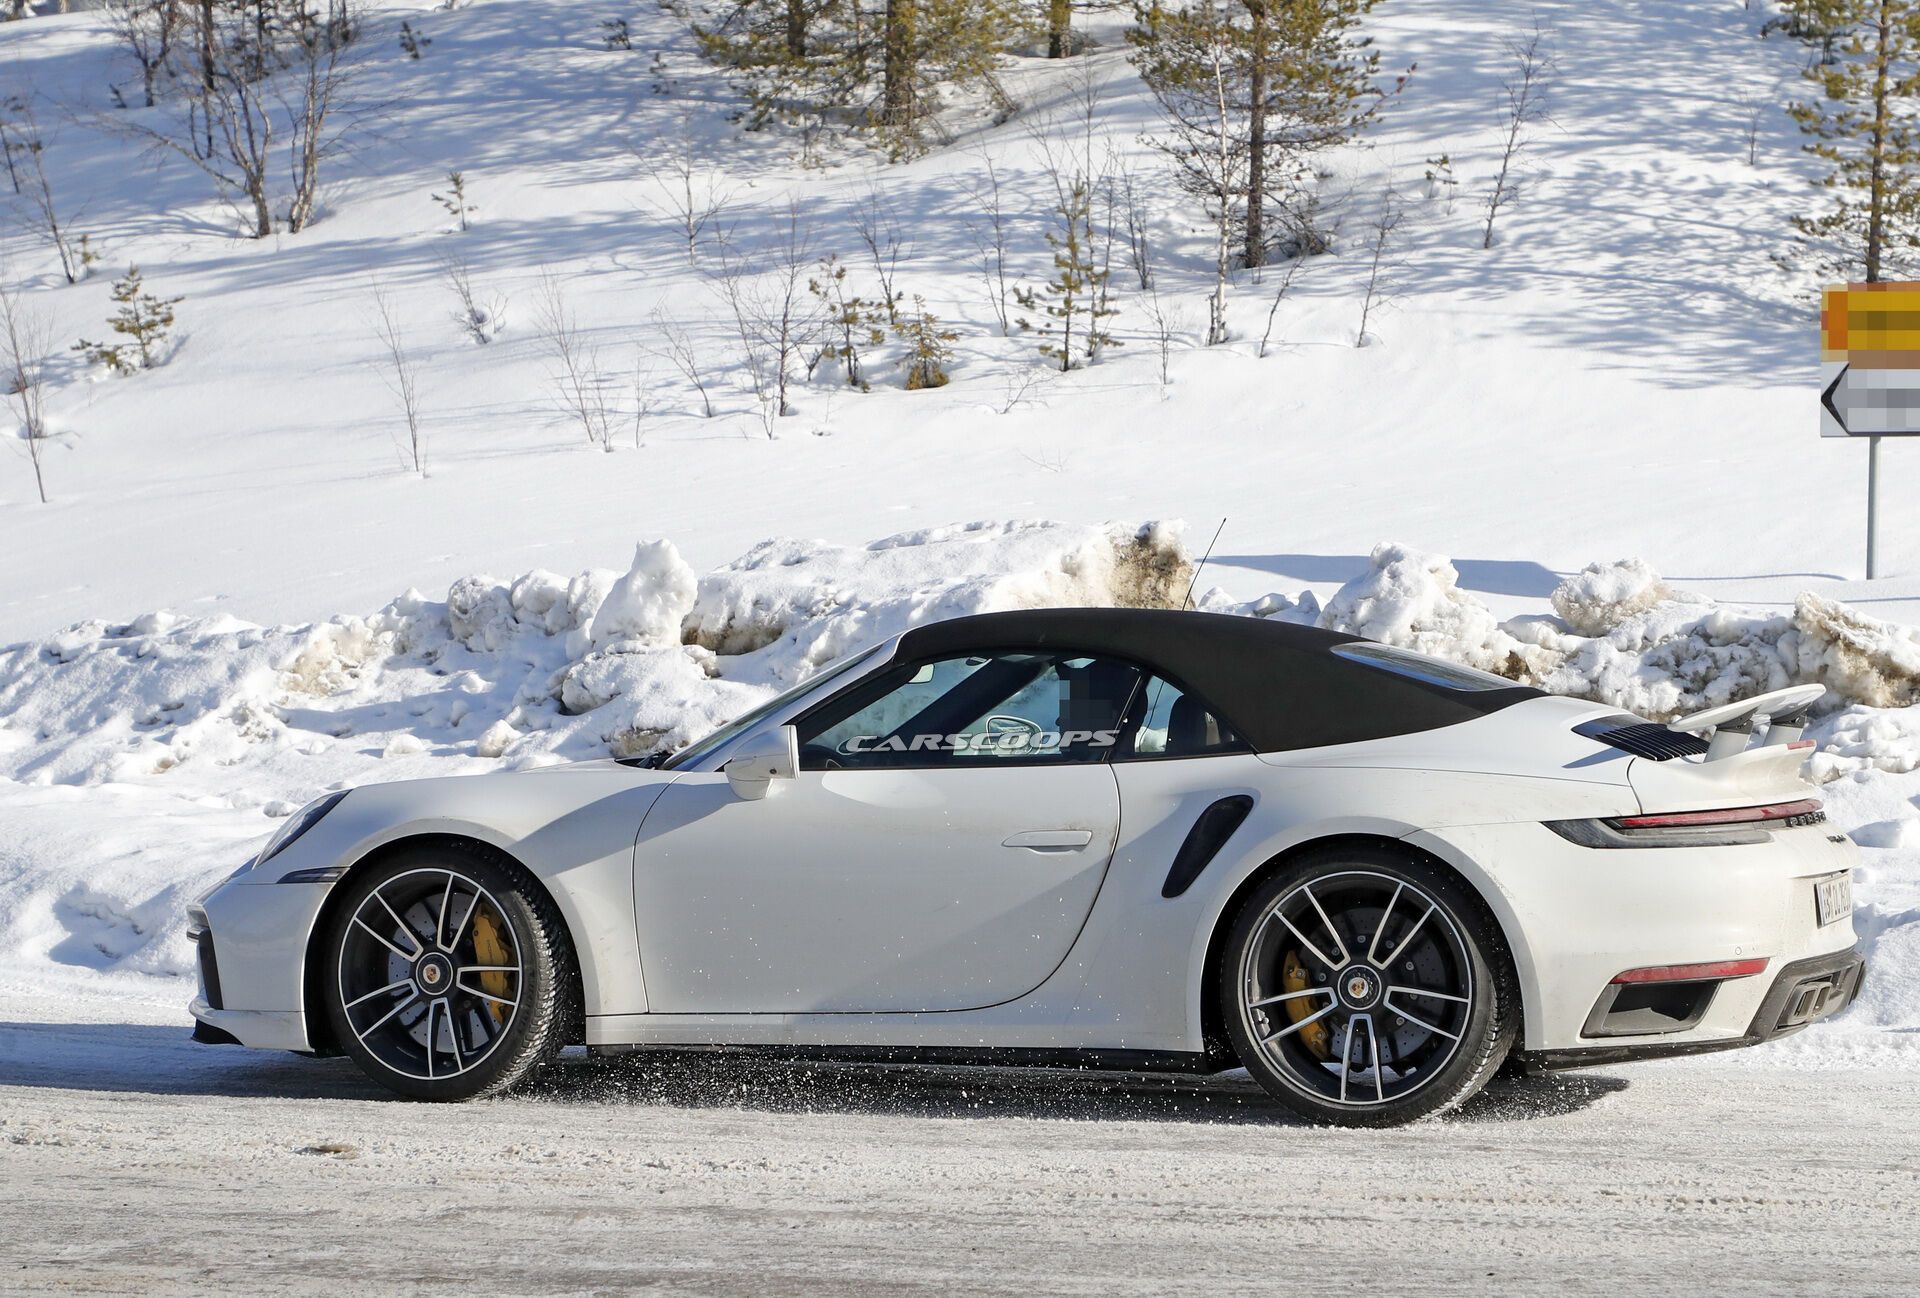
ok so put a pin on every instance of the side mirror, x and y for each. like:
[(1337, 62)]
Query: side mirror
[(766, 758)]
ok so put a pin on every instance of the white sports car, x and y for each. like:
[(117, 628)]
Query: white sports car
[(1094, 837)]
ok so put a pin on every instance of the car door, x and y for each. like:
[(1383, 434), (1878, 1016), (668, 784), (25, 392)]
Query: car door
[(940, 848)]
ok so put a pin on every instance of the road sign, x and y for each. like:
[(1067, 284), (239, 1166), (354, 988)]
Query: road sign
[(1870, 374)]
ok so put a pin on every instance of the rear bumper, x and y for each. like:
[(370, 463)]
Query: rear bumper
[(1802, 993), (1575, 917)]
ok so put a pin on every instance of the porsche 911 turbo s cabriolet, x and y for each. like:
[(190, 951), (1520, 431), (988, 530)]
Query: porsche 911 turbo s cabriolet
[(1094, 837)]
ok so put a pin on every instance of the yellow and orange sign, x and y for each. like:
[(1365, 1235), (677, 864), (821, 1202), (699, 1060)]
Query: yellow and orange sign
[(1870, 360), (1871, 326)]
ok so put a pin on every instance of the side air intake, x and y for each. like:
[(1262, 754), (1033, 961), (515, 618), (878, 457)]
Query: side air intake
[(1646, 739)]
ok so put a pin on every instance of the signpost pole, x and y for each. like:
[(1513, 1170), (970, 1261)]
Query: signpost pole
[(1873, 502)]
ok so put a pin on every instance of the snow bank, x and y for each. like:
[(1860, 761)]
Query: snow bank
[(1621, 635), (186, 739)]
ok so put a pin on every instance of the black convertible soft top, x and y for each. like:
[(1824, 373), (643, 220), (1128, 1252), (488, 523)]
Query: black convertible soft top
[(1277, 684)]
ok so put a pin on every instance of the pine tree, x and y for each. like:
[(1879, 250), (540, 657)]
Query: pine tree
[(1059, 28), (929, 347), (1075, 299), (1820, 23), (143, 318), (1863, 126), (865, 63), (1298, 78)]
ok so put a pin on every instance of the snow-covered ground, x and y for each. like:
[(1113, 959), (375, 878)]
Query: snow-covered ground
[(136, 1163), (240, 596), (1626, 373)]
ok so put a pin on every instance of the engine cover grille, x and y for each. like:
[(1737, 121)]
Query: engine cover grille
[(1647, 739)]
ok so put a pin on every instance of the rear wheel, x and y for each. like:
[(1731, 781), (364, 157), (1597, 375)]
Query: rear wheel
[(447, 975), (1367, 988)]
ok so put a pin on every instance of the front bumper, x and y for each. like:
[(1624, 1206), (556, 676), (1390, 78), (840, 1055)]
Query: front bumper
[(1802, 993), (251, 936)]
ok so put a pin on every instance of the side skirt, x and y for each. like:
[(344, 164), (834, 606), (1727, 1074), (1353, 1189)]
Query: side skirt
[(1115, 1061)]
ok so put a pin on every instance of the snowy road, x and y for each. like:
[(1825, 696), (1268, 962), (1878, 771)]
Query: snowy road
[(134, 1162)]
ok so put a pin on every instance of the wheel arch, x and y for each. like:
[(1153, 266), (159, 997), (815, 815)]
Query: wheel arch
[(1213, 1032), (319, 1030)]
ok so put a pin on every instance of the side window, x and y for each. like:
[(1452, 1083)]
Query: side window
[(1177, 724), (975, 710)]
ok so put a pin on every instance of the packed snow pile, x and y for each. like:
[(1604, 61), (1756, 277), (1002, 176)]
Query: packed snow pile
[(190, 738), (540, 667), (1621, 635)]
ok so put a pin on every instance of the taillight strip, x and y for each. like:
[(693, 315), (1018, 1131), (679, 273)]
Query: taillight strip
[(1690, 973), (1723, 816)]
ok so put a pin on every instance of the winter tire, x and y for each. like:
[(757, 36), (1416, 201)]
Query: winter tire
[(447, 974), (1364, 987)]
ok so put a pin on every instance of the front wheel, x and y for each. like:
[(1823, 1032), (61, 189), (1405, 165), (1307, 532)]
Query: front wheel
[(1367, 988), (447, 975)]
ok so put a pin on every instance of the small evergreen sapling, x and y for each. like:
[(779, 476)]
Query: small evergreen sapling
[(455, 199), (146, 321), (412, 42), (614, 33), (1441, 182), (853, 322), (1075, 299), (929, 347)]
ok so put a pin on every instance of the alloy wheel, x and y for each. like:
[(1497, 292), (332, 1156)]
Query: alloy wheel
[(429, 974), (1357, 988)]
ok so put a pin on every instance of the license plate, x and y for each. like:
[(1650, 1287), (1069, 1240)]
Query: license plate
[(1833, 898)]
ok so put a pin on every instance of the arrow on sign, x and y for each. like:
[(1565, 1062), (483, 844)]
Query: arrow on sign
[(1857, 402), (1826, 398)]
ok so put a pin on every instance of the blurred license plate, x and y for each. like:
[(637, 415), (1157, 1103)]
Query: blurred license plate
[(1833, 898)]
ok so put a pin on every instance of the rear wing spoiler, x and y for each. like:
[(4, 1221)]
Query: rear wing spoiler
[(1784, 711)]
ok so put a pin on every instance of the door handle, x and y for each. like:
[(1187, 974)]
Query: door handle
[(1051, 840)]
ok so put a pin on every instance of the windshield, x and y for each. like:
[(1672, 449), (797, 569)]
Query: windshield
[(695, 751)]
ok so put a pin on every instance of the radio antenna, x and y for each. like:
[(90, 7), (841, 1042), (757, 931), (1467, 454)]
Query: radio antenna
[(1201, 566)]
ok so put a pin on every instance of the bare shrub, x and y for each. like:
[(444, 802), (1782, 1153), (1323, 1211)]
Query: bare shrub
[(989, 232), (692, 192), (26, 339), (480, 320), (21, 136), (256, 92), (681, 353), (776, 317), (1279, 296), (878, 225), (1526, 105), (1379, 288), (402, 378), (580, 384)]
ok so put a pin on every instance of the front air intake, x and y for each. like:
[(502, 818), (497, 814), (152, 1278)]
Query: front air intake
[(1647, 739)]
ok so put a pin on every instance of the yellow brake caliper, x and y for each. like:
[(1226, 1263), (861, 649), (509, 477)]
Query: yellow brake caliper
[(490, 948), (1293, 978)]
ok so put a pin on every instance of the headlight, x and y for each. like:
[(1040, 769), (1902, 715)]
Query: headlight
[(297, 824)]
